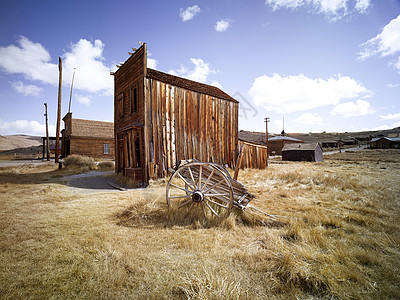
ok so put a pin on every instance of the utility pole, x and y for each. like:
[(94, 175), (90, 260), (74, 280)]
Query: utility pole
[(70, 94), (267, 137), (47, 133), (59, 110)]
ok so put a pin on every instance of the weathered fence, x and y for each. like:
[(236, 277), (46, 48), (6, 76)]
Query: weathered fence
[(253, 156)]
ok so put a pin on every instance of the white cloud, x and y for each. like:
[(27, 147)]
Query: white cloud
[(189, 13), (362, 5), (34, 62), (310, 119), (26, 90), (299, 93), (390, 117), (85, 100), (25, 127), (199, 73), (385, 43), (152, 63), (30, 59), (91, 73), (353, 109), (382, 127), (222, 25), (391, 85), (334, 9), (216, 84)]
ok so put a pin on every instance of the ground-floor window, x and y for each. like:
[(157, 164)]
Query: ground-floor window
[(106, 148)]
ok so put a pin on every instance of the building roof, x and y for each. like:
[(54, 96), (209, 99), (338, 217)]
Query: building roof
[(89, 128), (300, 147), (252, 137), (392, 139), (330, 141), (189, 84), (284, 138)]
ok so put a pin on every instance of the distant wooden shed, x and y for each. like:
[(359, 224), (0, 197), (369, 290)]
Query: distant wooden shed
[(87, 137), (161, 119), (277, 143), (331, 144), (302, 152), (385, 143)]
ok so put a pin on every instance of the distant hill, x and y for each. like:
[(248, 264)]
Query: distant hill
[(10, 142), (260, 137)]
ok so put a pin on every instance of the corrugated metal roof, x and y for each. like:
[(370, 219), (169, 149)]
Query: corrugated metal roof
[(393, 139), (89, 128), (189, 84), (301, 147), (284, 138)]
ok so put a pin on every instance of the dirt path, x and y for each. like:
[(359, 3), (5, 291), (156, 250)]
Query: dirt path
[(91, 182)]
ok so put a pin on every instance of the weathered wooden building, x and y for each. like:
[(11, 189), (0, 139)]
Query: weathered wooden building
[(302, 152), (161, 119), (87, 137), (276, 143), (385, 143)]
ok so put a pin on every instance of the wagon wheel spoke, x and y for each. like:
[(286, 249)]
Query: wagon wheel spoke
[(204, 210), (190, 208), (214, 185), (185, 203), (191, 175), (183, 189), (208, 178), (214, 195), (180, 197), (199, 184), (216, 203), (213, 211), (193, 189)]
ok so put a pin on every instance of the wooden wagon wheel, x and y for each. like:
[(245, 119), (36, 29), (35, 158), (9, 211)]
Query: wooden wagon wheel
[(202, 186)]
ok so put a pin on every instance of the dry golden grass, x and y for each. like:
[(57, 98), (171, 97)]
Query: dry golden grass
[(339, 237), (80, 161)]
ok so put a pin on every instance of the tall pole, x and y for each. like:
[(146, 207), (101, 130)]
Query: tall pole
[(59, 110), (267, 137), (47, 134), (70, 94)]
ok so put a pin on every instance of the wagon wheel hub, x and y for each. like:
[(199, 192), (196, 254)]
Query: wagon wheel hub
[(197, 196)]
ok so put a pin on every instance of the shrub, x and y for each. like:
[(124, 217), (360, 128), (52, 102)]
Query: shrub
[(105, 165), (80, 161)]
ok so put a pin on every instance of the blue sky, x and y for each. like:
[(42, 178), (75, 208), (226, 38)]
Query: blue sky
[(323, 65)]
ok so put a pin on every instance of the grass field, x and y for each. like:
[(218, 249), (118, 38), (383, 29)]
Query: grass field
[(338, 237)]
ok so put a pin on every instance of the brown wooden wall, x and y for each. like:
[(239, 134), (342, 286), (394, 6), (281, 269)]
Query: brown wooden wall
[(253, 156), (126, 80), (182, 124), (92, 147)]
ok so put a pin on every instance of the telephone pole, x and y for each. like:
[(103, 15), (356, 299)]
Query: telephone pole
[(59, 110), (47, 133), (266, 132)]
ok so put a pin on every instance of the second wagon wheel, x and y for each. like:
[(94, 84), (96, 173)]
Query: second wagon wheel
[(202, 188)]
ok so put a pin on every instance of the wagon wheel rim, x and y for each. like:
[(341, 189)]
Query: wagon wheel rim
[(203, 187)]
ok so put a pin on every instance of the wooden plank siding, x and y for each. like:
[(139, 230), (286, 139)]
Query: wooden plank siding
[(254, 156), (184, 127)]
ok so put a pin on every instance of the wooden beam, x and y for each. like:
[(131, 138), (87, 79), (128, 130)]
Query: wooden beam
[(238, 162), (59, 110)]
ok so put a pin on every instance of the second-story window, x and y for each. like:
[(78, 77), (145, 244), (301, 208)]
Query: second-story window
[(134, 98), (121, 104)]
